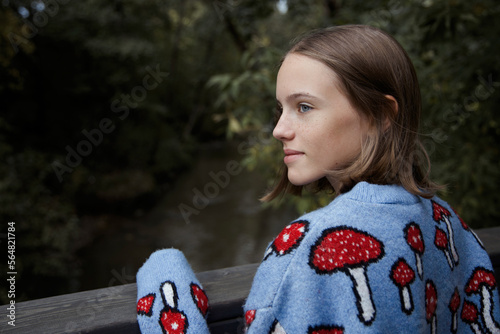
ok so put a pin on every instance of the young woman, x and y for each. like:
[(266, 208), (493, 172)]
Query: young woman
[(386, 255)]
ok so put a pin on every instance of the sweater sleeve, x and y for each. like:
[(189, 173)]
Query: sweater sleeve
[(170, 299)]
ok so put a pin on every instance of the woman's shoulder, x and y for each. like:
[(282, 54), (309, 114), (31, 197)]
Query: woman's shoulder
[(366, 209)]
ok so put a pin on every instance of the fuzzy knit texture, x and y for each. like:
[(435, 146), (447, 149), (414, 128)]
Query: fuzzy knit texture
[(170, 299), (375, 260)]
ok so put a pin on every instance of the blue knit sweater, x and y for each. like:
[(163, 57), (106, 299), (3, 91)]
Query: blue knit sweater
[(375, 260)]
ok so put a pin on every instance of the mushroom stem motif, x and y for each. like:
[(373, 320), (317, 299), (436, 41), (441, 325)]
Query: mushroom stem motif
[(431, 304), (402, 276), (350, 251), (483, 281), (169, 294), (467, 228), (453, 306), (277, 328), (363, 294), (470, 316), (172, 321), (441, 242), (486, 311), (414, 238), (442, 214)]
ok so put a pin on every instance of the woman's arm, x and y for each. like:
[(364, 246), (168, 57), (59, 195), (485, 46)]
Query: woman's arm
[(169, 297)]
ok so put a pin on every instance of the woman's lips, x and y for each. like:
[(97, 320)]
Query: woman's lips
[(292, 155)]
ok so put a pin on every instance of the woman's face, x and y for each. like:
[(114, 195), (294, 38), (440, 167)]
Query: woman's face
[(319, 128)]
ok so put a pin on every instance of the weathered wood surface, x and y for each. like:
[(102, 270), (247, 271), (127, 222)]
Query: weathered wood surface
[(112, 310)]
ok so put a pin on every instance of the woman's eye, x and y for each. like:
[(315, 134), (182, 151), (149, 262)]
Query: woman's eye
[(304, 108)]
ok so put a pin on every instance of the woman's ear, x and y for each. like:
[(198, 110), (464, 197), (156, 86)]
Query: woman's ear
[(395, 109)]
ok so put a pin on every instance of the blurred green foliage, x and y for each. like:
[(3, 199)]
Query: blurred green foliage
[(68, 65)]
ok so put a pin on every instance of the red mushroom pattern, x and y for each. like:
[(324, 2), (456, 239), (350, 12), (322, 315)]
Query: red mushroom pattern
[(440, 213), (483, 282), (351, 251), (415, 240), (454, 305), (172, 321), (441, 242), (431, 304), (470, 316), (200, 298), (249, 317), (289, 238), (145, 305), (326, 330), (402, 276)]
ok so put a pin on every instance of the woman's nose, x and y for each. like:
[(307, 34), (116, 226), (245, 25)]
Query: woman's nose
[(283, 129)]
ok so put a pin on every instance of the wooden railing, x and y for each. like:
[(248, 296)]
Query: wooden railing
[(112, 310)]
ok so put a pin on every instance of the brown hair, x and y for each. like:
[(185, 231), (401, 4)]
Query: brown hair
[(371, 65)]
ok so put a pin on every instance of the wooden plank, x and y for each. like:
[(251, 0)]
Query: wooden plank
[(233, 326), (227, 290), (84, 312), (105, 310)]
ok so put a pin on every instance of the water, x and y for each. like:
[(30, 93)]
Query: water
[(228, 225)]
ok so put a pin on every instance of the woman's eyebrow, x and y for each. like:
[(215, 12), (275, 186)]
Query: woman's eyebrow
[(300, 95)]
